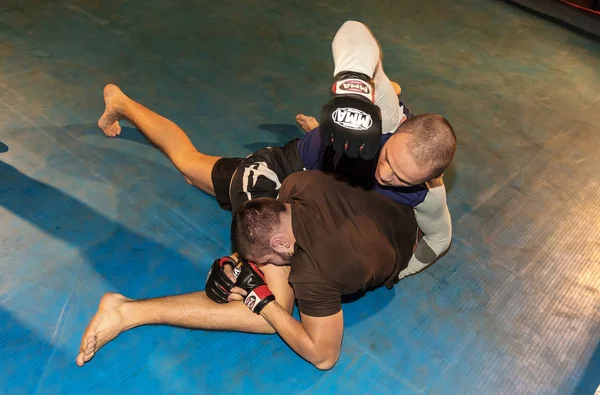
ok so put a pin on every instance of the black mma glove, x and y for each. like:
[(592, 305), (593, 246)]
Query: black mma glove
[(218, 285), (252, 280), (350, 121)]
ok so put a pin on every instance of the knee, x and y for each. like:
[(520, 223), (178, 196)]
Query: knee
[(353, 24), (355, 27)]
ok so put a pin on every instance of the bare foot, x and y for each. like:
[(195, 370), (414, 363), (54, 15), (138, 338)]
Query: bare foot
[(397, 88), (107, 324), (306, 123), (109, 121)]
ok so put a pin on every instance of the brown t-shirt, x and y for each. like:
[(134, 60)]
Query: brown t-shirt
[(347, 240)]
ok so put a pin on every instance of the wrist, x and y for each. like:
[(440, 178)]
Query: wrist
[(258, 298), (350, 83), (268, 308)]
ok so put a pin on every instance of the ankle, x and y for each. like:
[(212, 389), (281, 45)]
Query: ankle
[(131, 315), (121, 106)]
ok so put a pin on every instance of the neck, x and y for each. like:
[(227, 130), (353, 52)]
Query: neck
[(286, 222)]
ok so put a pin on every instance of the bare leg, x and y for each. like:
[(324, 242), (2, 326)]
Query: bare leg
[(165, 134), (117, 314)]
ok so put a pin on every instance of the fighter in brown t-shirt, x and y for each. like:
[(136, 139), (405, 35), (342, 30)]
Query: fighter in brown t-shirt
[(337, 240), (347, 240)]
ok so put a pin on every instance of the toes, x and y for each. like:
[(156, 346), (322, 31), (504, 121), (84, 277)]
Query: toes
[(111, 130), (79, 360), (82, 358), (90, 347)]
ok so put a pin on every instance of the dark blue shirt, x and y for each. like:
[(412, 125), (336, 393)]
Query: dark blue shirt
[(315, 155)]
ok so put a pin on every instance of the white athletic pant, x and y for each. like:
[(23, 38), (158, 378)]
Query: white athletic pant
[(355, 49)]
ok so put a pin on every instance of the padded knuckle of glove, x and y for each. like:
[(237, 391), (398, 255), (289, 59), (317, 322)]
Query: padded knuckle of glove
[(218, 285), (350, 121)]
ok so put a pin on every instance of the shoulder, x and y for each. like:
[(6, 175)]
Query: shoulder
[(434, 201), (293, 185), (436, 189), (436, 182), (313, 180), (303, 179)]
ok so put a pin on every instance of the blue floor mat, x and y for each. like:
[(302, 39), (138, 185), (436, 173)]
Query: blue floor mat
[(514, 306)]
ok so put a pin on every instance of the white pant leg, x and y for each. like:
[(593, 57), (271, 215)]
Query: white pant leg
[(355, 49)]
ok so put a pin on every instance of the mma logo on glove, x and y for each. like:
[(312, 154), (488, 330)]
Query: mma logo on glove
[(352, 118), (236, 271), (250, 301), (353, 86)]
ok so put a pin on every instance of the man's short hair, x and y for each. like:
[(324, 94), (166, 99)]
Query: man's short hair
[(432, 143), (254, 222)]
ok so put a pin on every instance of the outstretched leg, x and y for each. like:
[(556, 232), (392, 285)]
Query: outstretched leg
[(195, 166), (116, 313)]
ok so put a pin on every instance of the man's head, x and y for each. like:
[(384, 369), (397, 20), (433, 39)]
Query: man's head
[(420, 150), (261, 231)]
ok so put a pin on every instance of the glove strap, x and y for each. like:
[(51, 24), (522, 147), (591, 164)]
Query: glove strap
[(354, 84), (259, 298)]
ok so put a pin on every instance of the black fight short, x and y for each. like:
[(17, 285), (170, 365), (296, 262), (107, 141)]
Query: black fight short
[(237, 180)]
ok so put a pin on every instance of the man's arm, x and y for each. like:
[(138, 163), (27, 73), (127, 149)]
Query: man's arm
[(434, 220), (316, 339)]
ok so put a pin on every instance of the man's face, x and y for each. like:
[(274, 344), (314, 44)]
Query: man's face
[(279, 258), (396, 167)]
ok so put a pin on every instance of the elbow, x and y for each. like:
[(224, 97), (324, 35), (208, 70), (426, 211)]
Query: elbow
[(445, 245), (442, 241), (327, 363), (448, 239)]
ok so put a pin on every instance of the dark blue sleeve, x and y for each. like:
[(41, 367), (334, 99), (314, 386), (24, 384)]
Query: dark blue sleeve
[(309, 148), (407, 196), (406, 111), (310, 145)]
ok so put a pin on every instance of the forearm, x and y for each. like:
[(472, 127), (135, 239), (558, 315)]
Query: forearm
[(294, 334), (421, 258), (355, 49), (429, 249), (433, 219)]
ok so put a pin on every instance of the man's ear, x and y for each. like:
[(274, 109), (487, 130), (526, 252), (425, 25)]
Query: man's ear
[(279, 242)]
